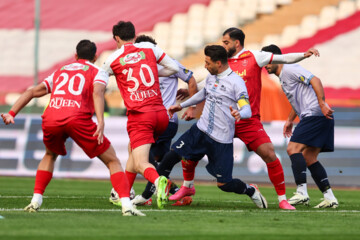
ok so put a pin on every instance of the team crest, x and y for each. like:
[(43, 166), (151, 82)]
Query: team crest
[(132, 58), (186, 71), (245, 63), (223, 88), (302, 78)]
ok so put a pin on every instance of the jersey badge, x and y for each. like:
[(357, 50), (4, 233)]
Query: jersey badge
[(302, 78), (245, 62), (186, 71), (132, 58), (223, 88)]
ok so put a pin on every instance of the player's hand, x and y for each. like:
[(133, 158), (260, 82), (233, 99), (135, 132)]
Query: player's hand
[(7, 118), (189, 114), (173, 109), (287, 131), (100, 133), (181, 94), (235, 114), (310, 52), (327, 111)]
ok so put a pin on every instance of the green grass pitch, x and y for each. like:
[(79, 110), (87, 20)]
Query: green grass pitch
[(79, 209)]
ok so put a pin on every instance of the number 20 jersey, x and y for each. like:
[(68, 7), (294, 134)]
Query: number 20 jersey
[(71, 89), (135, 69)]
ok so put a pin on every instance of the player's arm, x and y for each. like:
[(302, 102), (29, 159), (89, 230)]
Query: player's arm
[(245, 109), (189, 114), (170, 66), (319, 91), (195, 99), (287, 131), (33, 92), (293, 57), (99, 103)]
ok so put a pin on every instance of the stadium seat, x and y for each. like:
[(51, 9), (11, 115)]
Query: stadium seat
[(11, 98), (266, 6), (289, 36), (308, 26), (358, 4), (248, 11), (176, 46), (345, 9), (161, 34), (271, 39), (328, 17), (212, 24), (194, 36), (283, 2)]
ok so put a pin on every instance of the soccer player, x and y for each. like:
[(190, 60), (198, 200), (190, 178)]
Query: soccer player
[(248, 64), (77, 91), (135, 68), (313, 134), (214, 132)]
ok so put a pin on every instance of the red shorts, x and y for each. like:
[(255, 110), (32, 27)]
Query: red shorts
[(81, 131), (252, 133), (146, 127)]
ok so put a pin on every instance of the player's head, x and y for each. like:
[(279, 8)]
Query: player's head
[(123, 32), (86, 49), (272, 68), (145, 38), (233, 40), (215, 59)]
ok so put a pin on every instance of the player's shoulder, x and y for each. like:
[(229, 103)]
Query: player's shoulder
[(144, 45)]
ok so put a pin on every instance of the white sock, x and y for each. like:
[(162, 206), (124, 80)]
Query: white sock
[(302, 189), (156, 184), (281, 197), (329, 195), (188, 184), (125, 202), (37, 197)]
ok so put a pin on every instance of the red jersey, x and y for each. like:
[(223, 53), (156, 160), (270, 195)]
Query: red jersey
[(135, 69), (71, 89), (248, 64)]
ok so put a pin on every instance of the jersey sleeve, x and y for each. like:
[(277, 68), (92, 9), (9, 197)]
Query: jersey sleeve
[(49, 82), (262, 58), (183, 73), (240, 90), (102, 77)]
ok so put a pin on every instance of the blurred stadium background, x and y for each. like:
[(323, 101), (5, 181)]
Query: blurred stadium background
[(182, 28)]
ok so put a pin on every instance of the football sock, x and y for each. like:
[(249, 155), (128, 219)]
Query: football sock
[(42, 179), (188, 184), (170, 159), (276, 175), (302, 189), (125, 202), (298, 165), (188, 167), (151, 174), (149, 190), (37, 197), (120, 184), (328, 194), (238, 186), (173, 188), (319, 175), (131, 178)]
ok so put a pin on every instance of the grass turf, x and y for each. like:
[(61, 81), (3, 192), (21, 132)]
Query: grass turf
[(79, 209)]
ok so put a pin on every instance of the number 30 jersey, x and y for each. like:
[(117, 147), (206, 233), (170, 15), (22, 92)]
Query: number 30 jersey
[(135, 69), (71, 89)]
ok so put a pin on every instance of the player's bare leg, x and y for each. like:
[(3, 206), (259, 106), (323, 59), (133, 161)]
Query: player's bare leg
[(43, 177), (275, 172)]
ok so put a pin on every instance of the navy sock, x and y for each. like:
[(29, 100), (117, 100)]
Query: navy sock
[(298, 165), (319, 175), (170, 159), (237, 186)]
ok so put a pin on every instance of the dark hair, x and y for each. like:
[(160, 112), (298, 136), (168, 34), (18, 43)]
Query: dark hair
[(235, 34), (216, 53), (272, 48), (86, 49), (124, 30), (145, 38)]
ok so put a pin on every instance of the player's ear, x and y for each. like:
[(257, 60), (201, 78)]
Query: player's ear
[(95, 58), (76, 57)]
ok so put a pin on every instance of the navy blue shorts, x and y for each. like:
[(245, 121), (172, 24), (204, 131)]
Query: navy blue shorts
[(162, 144), (194, 144), (315, 131)]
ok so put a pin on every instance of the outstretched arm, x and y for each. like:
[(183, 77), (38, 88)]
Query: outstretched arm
[(319, 91), (294, 57), (98, 97), (33, 92)]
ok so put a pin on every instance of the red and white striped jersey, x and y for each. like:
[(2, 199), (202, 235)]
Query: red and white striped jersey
[(71, 89)]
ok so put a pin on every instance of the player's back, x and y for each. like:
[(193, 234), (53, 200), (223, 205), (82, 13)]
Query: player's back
[(135, 69), (71, 90)]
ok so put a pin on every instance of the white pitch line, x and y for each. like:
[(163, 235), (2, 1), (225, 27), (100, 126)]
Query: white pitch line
[(179, 210)]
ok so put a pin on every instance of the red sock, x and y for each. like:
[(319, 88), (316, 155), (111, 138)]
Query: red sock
[(42, 179), (276, 175), (188, 167), (131, 178), (151, 174), (120, 184)]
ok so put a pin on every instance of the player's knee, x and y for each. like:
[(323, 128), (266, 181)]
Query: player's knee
[(293, 148)]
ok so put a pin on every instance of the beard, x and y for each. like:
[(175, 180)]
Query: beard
[(231, 52)]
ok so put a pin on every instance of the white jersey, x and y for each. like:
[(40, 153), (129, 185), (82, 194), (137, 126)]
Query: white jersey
[(169, 86), (295, 82), (221, 92)]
